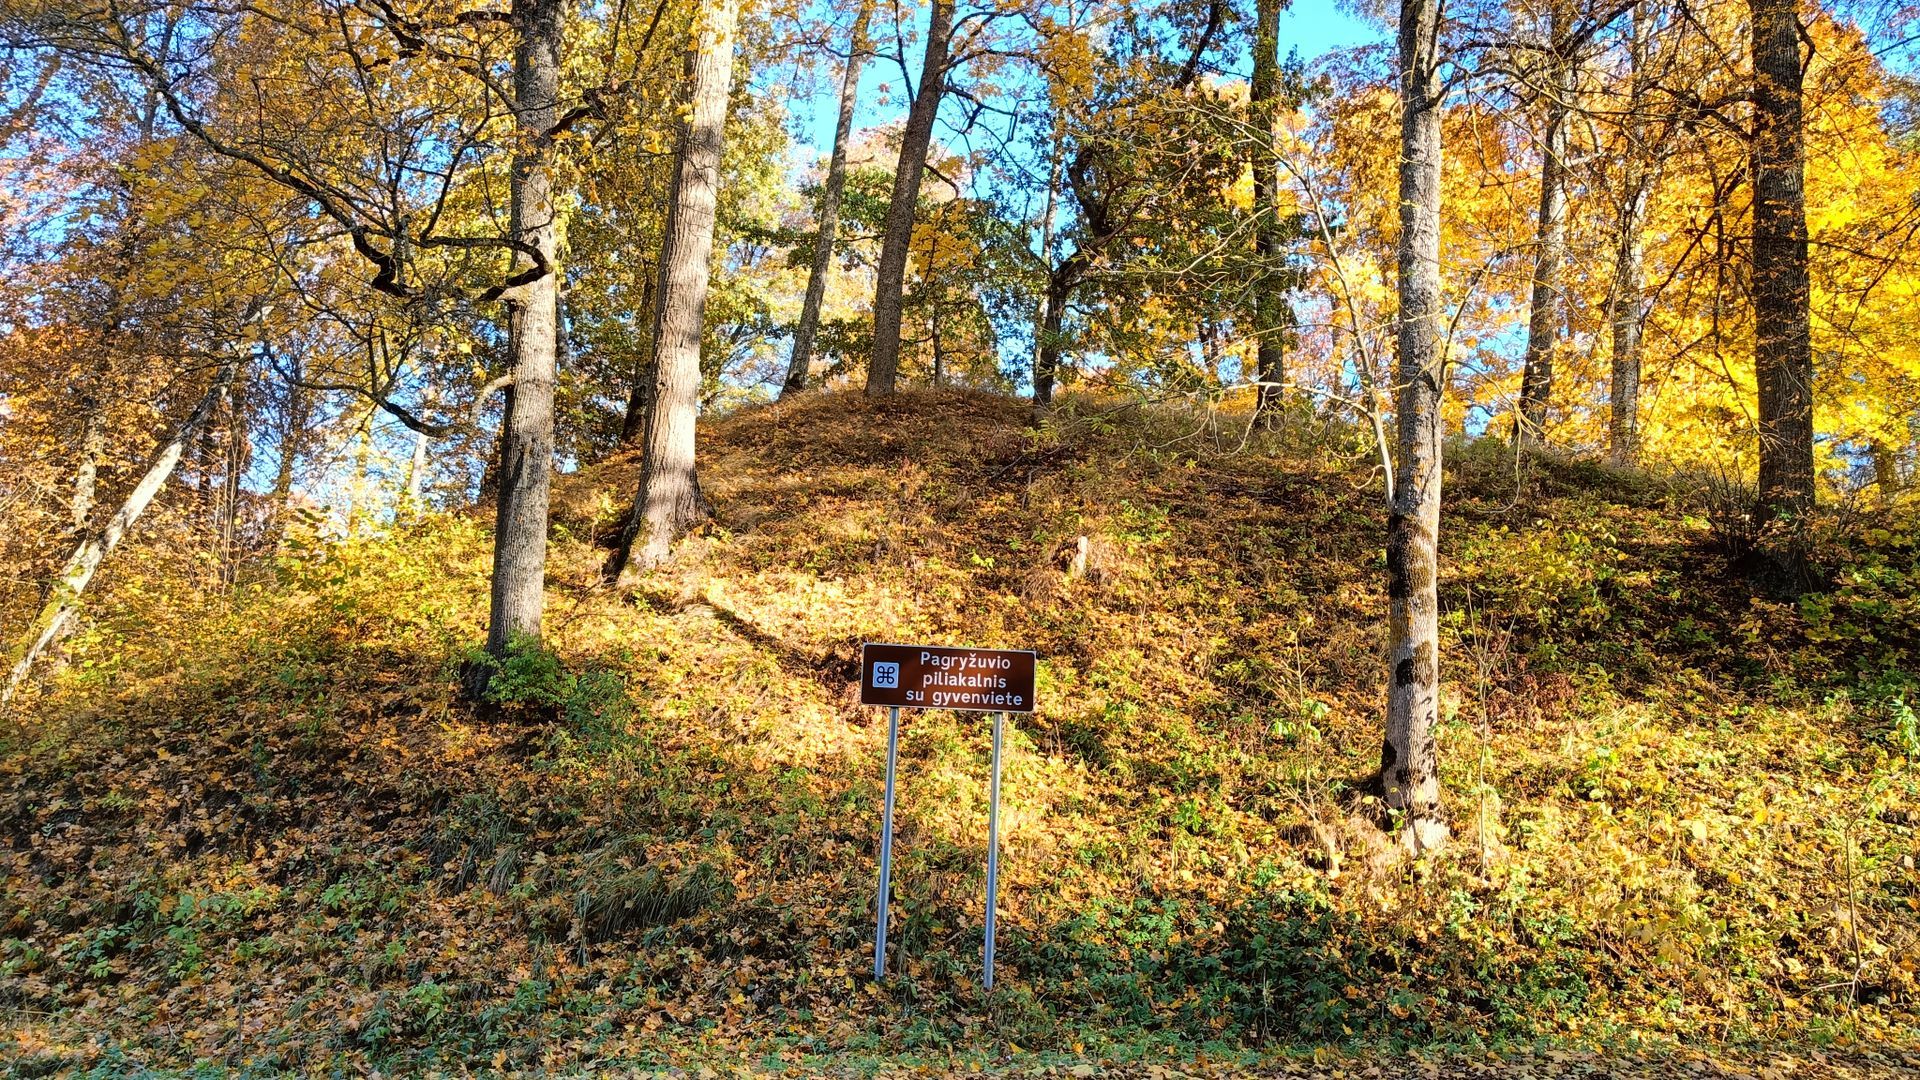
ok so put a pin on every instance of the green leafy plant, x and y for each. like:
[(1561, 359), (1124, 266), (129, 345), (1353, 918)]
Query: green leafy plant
[(592, 705), (1906, 727)]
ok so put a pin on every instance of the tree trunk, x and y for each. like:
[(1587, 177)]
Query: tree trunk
[(497, 455), (1409, 772), (78, 571), (801, 361), (86, 478), (1546, 316), (883, 372), (292, 438), (360, 494), (1782, 343), (1627, 322), (1627, 305), (1046, 367), (1269, 301), (205, 514), (640, 389), (526, 465), (1060, 285), (1049, 316), (239, 453), (1886, 469), (668, 501), (639, 397), (416, 472)]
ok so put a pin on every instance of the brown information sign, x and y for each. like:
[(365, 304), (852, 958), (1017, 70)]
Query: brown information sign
[(934, 677)]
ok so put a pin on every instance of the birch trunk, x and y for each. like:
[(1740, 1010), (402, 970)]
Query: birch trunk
[(1409, 774), (526, 459), (86, 478), (1627, 324), (360, 494), (800, 363), (668, 501), (1547, 312), (416, 477), (77, 573), (1782, 347), (883, 371)]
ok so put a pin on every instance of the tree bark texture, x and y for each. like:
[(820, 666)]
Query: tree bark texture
[(1627, 306), (1046, 366), (1409, 772), (1782, 342), (883, 371), (291, 441), (640, 387), (526, 460), (668, 501), (1546, 316), (1886, 469), (239, 455), (1270, 315)]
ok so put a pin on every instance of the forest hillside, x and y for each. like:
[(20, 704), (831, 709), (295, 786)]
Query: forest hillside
[(257, 827)]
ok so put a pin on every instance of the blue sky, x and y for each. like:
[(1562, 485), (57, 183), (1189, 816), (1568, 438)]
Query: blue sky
[(1309, 27)]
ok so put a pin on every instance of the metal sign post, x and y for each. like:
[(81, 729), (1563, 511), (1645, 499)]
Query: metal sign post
[(886, 847), (998, 681), (993, 852)]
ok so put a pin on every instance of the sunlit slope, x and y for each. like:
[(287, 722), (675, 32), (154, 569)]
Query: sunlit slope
[(261, 827)]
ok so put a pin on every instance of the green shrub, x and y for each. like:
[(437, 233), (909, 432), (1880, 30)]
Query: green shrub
[(592, 706)]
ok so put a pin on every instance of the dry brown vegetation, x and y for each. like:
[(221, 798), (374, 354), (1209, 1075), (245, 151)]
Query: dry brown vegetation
[(257, 828)]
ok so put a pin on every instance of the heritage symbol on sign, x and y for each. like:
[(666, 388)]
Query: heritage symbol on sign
[(886, 675)]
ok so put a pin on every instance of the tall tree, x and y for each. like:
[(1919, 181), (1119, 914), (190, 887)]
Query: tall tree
[(1097, 228), (1269, 303), (526, 462), (1627, 298), (801, 360), (1546, 316), (1409, 760), (296, 415), (1049, 316), (1782, 332), (668, 500), (883, 371)]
